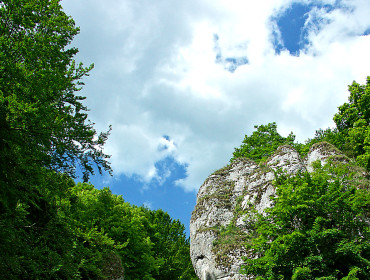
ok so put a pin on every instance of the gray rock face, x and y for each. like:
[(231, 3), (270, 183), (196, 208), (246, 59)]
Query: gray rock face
[(226, 196)]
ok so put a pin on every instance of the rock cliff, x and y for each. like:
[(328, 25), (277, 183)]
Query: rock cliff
[(226, 196)]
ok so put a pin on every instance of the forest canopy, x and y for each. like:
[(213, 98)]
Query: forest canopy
[(318, 228)]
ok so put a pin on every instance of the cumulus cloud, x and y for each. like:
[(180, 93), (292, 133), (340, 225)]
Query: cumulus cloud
[(187, 80)]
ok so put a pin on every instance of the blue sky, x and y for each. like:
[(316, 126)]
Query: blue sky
[(182, 82)]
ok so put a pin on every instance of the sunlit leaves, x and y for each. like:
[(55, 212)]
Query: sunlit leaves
[(47, 124), (318, 227), (150, 244), (353, 121), (44, 136), (262, 143)]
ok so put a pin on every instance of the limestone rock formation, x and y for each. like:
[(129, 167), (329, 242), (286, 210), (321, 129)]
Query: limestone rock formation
[(226, 196)]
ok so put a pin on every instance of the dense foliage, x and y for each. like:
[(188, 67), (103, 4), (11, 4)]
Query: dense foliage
[(317, 229), (353, 122), (43, 122), (149, 244), (51, 228), (262, 143)]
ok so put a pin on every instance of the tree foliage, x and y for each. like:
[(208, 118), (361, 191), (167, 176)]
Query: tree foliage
[(262, 143), (318, 228), (86, 233), (171, 246), (44, 136), (43, 122), (150, 244), (353, 121), (35, 242)]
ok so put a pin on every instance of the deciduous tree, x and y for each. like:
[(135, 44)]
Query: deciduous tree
[(262, 143), (318, 228), (43, 122), (353, 121), (44, 136)]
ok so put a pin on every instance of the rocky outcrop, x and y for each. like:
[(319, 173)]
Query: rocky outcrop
[(223, 202)]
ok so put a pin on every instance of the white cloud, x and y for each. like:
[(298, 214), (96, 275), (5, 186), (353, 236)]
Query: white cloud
[(148, 204), (156, 74)]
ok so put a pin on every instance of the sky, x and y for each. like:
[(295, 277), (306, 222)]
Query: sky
[(182, 82)]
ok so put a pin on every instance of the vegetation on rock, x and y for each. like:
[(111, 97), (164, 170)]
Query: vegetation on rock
[(318, 228), (262, 143)]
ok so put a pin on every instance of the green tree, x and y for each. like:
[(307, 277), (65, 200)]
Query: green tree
[(43, 122), (318, 228), (84, 211), (353, 121), (262, 143), (36, 242), (44, 136), (330, 135), (150, 244), (170, 247)]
